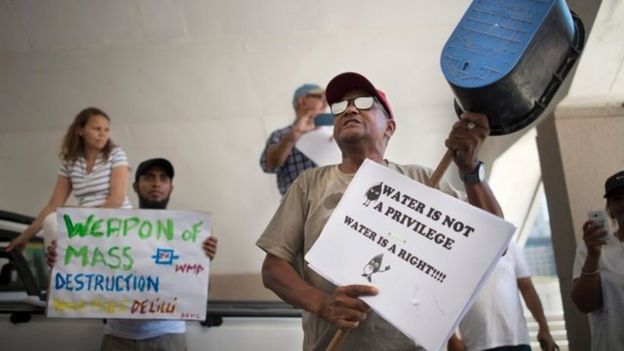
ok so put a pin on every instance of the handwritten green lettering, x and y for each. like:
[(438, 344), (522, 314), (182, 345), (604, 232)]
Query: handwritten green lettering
[(191, 234), (95, 229), (114, 258), (130, 261), (113, 226), (130, 223), (113, 254), (80, 229), (145, 230), (72, 252), (165, 229), (98, 257)]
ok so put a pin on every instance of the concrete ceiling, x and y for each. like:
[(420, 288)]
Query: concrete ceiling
[(59, 26), (27, 25)]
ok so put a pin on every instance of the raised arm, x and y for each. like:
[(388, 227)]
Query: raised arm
[(61, 192), (342, 308), (466, 138), (277, 153), (587, 289)]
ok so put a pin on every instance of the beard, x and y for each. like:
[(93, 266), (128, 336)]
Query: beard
[(153, 204)]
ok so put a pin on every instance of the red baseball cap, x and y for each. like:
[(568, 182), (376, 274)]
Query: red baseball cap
[(349, 81)]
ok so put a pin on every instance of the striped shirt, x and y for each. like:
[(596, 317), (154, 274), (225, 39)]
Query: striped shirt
[(93, 189)]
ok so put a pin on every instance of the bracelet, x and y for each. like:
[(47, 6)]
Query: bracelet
[(590, 273)]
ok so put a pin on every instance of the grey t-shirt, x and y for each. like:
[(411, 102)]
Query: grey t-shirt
[(297, 224)]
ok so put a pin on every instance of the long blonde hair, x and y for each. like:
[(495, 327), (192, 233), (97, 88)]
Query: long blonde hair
[(73, 144)]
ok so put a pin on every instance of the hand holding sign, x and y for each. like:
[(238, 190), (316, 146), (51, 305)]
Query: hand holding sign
[(344, 308), (416, 244), (210, 247), (50, 254), (346, 298)]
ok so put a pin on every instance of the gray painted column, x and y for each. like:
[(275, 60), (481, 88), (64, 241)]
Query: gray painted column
[(564, 245)]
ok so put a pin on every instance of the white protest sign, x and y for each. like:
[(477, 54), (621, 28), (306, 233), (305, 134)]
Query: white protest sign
[(427, 252), (139, 264), (319, 146)]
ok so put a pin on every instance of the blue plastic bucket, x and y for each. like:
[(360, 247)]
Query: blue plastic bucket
[(507, 58)]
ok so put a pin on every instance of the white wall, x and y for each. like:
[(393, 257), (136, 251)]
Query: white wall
[(204, 83)]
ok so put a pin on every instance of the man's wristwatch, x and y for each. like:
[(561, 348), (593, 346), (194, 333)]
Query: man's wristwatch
[(476, 176)]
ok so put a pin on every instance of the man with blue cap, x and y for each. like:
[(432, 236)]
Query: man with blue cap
[(280, 156)]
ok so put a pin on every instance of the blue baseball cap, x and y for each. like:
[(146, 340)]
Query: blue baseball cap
[(306, 89)]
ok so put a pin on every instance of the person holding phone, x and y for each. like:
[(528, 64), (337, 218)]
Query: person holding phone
[(598, 276), (280, 156)]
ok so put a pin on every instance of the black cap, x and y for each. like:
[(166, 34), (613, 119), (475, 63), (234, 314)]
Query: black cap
[(154, 162), (614, 182)]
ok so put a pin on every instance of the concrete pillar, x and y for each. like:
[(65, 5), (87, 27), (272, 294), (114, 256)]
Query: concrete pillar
[(579, 147)]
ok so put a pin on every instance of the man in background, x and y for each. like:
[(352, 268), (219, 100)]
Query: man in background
[(153, 183), (496, 319), (280, 156)]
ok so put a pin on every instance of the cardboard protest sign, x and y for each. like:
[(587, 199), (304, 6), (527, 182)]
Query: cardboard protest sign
[(427, 252), (319, 146), (138, 264)]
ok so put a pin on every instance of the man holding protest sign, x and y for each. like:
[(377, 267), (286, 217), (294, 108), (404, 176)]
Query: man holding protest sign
[(153, 185), (364, 124)]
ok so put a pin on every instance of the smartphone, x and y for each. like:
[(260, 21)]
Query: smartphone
[(598, 216), (324, 119)]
